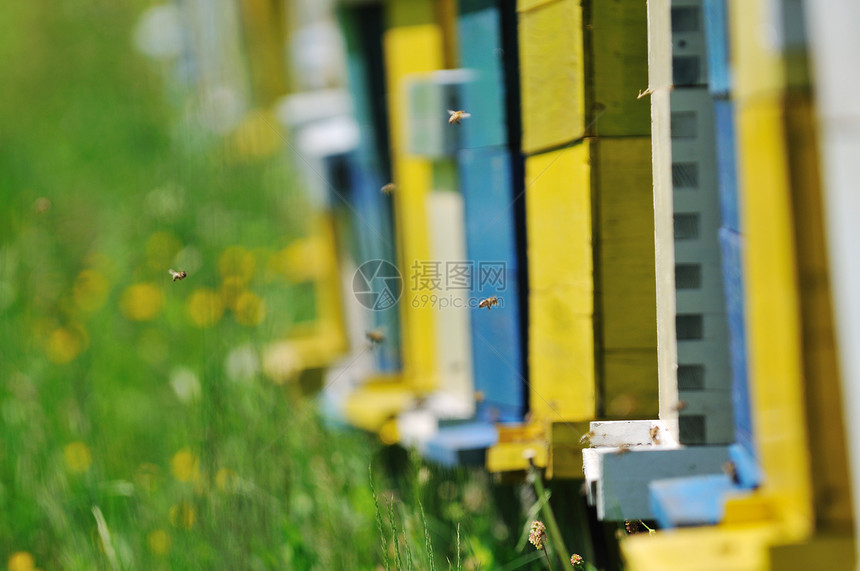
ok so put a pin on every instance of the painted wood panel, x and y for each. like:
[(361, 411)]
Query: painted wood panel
[(561, 333), (552, 68)]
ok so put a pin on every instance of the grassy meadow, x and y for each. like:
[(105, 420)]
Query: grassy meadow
[(155, 424)]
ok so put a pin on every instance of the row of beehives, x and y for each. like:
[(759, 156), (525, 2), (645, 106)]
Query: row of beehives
[(608, 153), (682, 352)]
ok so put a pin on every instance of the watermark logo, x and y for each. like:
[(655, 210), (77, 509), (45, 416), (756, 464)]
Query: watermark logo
[(430, 275), (377, 285)]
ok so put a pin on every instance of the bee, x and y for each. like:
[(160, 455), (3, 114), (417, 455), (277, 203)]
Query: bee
[(457, 116), (655, 434), (489, 302), (388, 188), (586, 438), (642, 94), (42, 205), (731, 470), (680, 405), (623, 449), (180, 275), (375, 336)]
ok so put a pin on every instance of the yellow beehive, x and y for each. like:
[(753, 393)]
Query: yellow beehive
[(800, 515)]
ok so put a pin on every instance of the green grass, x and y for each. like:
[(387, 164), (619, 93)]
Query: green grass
[(107, 458)]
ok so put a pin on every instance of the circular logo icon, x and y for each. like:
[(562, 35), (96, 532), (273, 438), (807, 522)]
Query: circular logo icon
[(377, 285)]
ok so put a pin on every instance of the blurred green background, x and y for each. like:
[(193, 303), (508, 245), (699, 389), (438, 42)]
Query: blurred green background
[(152, 424)]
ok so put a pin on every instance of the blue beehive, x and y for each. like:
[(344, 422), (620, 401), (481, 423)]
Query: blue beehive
[(485, 176)]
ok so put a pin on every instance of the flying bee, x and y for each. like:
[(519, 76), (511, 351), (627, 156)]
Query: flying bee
[(457, 116), (180, 275), (586, 438), (489, 302), (388, 188), (375, 336), (42, 205), (680, 405)]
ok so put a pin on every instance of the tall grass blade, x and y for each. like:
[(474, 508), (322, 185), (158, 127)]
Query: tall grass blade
[(397, 557), (385, 560), (428, 545)]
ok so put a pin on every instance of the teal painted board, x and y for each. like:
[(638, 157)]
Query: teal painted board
[(481, 53), (717, 47)]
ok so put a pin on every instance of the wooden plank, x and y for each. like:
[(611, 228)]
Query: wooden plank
[(623, 486), (693, 145), (698, 500), (328, 340), (823, 395), (484, 94), (376, 403), (462, 444), (412, 45), (773, 312), (558, 204), (453, 330), (514, 456), (551, 74), (486, 182), (834, 550), (724, 130), (487, 185), (373, 224), (660, 84), (630, 383), (561, 336), (561, 357), (739, 548), (622, 186), (755, 34), (618, 50), (833, 40), (565, 450), (732, 252)]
